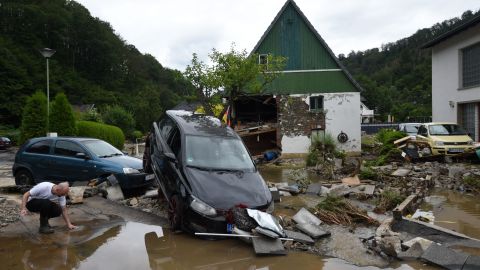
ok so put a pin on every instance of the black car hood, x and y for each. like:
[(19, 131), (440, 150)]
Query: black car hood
[(225, 190)]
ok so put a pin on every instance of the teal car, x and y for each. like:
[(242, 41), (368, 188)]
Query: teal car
[(75, 159)]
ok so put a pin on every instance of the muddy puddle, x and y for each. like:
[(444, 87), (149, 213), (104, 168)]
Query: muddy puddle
[(279, 174), (456, 211), (133, 245)]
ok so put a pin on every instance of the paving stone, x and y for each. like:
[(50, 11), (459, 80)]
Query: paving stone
[(472, 263), (304, 216), (299, 237), (445, 257), (268, 246), (313, 231)]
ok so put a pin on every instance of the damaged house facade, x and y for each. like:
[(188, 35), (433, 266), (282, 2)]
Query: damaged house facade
[(314, 94), (456, 76)]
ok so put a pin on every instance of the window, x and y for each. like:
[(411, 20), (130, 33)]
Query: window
[(316, 103), (166, 126), (471, 66), (263, 59), (41, 147), (69, 149), (217, 153), (422, 130), (467, 117), (101, 149), (175, 142)]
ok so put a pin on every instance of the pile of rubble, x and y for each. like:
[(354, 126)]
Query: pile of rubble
[(9, 212)]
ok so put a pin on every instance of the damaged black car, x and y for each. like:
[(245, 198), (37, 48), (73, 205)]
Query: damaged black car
[(203, 170)]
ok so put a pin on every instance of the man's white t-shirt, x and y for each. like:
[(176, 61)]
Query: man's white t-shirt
[(44, 191)]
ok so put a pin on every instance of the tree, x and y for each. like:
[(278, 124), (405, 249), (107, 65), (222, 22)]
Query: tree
[(34, 118), (234, 73), (118, 116), (62, 119)]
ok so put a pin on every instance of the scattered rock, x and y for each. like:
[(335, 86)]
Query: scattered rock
[(402, 172)]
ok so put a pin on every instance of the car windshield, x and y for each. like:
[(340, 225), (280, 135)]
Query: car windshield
[(217, 153), (411, 129), (446, 129), (102, 149)]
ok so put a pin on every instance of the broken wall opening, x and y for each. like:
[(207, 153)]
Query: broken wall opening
[(257, 122)]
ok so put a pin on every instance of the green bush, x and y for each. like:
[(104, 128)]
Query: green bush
[(62, 119), (34, 117), (388, 151), (108, 133), (119, 117), (321, 145), (137, 134)]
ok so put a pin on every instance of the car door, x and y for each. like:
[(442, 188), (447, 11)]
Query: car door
[(70, 167), (37, 157), (164, 167)]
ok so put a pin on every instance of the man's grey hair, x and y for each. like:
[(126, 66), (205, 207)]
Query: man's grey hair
[(64, 185)]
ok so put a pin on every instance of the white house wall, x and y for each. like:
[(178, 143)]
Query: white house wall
[(341, 115), (446, 71)]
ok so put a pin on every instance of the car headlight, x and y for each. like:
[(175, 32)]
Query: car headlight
[(439, 143), (271, 207), (201, 207), (130, 170)]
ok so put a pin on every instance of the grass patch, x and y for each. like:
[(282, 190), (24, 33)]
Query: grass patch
[(473, 182), (368, 174), (337, 210), (388, 200)]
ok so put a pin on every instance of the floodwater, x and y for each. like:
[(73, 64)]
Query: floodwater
[(279, 174), (138, 246), (129, 245), (456, 211)]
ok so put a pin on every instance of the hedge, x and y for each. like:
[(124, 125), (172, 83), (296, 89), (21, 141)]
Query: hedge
[(111, 134)]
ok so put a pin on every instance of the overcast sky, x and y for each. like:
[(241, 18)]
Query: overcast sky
[(173, 30)]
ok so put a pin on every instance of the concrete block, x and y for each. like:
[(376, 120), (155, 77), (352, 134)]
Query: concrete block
[(314, 189), (268, 246), (444, 257), (313, 231), (472, 263), (304, 216), (299, 237)]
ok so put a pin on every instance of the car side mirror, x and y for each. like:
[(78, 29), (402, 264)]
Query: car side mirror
[(171, 157), (82, 156)]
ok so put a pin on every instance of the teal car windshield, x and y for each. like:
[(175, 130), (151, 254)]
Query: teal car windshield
[(217, 153), (102, 149)]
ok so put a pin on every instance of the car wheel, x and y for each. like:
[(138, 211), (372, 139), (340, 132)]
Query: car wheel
[(24, 178), (175, 212)]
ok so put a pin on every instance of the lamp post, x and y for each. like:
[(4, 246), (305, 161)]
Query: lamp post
[(47, 53)]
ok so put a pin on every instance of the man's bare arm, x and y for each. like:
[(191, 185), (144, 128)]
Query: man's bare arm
[(25, 197), (67, 219)]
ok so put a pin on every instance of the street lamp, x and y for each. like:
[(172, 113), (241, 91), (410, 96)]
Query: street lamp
[(47, 53)]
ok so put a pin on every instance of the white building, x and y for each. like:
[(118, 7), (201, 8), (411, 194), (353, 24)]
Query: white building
[(456, 76), (366, 115)]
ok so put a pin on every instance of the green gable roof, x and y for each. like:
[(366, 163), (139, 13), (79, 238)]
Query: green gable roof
[(311, 65)]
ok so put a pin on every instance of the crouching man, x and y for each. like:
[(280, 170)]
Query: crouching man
[(49, 201)]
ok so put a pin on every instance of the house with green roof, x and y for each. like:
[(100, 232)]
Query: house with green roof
[(314, 94)]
